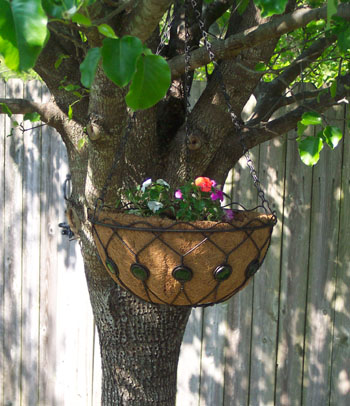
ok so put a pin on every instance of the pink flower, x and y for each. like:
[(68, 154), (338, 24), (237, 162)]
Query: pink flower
[(178, 194), (213, 183), (229, 215), (218, 194)]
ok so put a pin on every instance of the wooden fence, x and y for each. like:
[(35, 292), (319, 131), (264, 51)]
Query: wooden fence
[(284, 340)]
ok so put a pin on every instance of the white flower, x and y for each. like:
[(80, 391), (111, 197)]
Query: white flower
[(154, 206), (163, 183), (145, 184)]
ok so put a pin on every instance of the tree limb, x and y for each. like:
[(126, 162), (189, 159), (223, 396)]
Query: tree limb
[(143, 20), (269, 94), (286, 122), (50, 114), (232, 46)]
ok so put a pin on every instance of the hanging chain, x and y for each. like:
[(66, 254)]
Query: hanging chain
[(165, 35), (187, 90), (237, 123)]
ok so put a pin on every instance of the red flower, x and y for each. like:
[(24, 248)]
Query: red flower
[(204, 184)]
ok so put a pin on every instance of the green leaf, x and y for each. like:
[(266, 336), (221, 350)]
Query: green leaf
[(8, 40), (89, 66), (150, 83), (81, 143), (70, 112), (120, 58), (344, 40), (260, 67), (81, 19), (333, 89), (5, 109), (60, 59), (301, 128), (59, 9), (332, 135), (311, 118), (271, 7), (309, 150), (30, 22), (107, 31), (33, 117), (331, 10)]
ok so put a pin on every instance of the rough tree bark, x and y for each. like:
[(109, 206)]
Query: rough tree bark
[(140, 342)]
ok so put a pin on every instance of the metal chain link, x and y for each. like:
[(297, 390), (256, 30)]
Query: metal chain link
[(165, 35), (237, 123)]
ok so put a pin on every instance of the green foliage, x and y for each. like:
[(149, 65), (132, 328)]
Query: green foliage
[(271, 7), (309, 150), (150, 82), (187, 203), (32, 117), (311, 118), (89, 66), (119, 58), (311, 146)]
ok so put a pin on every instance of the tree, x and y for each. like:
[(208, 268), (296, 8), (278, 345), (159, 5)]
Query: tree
[(88, 52)]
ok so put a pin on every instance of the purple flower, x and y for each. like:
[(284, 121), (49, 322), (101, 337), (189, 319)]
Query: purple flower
[(218, 194), (229, 214), (178, 194)]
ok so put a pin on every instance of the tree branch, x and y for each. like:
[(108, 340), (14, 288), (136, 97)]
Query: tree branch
[(50, 114), (283, 124), (270, 93), (232, 46), (143, 20)]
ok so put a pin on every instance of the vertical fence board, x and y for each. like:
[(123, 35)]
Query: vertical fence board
[(267, 282), (96, 371), (321, 288), (31, 255), (294, 262), (212, 359), (48, 274), (239, 318), (340, 387), (13, 254), (189, 368), (2, 249), (74, 316)]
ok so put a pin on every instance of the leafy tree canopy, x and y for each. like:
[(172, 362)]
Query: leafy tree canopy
[(129, 62)]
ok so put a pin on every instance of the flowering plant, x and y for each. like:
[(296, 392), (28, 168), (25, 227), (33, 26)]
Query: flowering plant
[(198, 200)]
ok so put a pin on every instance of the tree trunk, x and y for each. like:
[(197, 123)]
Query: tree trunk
[(139, 343)]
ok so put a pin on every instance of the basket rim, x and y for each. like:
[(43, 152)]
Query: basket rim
[(144, 224)]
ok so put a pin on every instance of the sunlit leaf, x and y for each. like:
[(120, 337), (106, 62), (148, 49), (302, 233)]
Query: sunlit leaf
[(332, 135), (8, 40), (33, 117), (119, 58), (5, 109), (331, 10), (81, 19), (333, 89), (309, 150), (107, 31), (271, 7), (89, 66), (70, 112), (30, 23), (150, 82), (344, 40), (301, 128), (311, 118)]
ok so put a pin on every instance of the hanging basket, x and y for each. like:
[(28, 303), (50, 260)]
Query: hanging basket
[(182, 263)]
